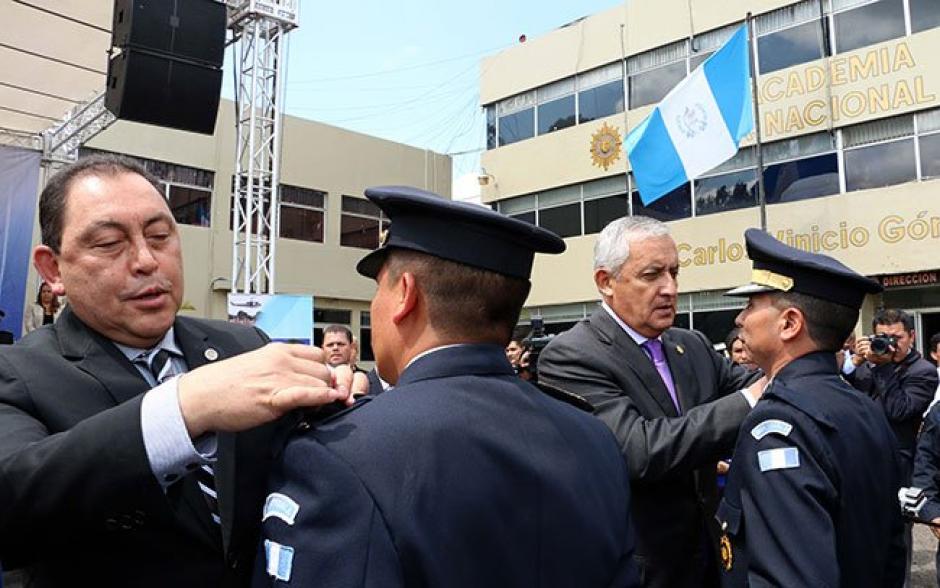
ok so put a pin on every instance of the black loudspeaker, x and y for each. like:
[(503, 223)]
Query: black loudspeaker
[(168, 72), (186, 29), (153, 89)]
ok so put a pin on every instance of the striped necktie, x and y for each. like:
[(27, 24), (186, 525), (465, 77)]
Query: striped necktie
[(163, 369)]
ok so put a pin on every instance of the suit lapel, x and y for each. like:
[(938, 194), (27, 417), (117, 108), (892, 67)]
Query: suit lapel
[(683, 374), (198, 350), (99, 358), (628, 353)]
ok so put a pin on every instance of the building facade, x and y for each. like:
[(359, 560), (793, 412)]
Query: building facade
[(849, 107), (326, 223)]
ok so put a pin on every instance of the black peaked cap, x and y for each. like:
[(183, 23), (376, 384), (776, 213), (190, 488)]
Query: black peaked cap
[(456, 231), (781, 268)]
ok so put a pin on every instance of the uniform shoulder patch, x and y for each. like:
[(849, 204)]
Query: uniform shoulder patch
[(280, 506), (280, 560), (781, 458), (769, 426)]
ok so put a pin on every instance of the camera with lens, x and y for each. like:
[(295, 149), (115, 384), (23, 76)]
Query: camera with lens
[(533, 346), (882, 344)]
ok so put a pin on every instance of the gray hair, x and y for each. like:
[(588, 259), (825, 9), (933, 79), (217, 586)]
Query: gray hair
[(612, 248)]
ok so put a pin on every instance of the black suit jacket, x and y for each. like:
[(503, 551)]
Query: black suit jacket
[(904, 391), (78, 501), (671, 458), (463, 475)]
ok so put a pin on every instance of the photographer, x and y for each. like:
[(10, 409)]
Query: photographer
[(888, 368)]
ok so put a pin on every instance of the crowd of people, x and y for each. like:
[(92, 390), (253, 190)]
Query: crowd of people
[(143, 448)]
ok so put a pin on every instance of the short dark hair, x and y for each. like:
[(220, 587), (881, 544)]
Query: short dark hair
[(733, 336), (463, 301), (893, 316), (339, 329), (827, 323), (934, 341), (52, 201)]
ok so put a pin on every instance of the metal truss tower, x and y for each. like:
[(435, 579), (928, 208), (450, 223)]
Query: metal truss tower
[(260, 28)]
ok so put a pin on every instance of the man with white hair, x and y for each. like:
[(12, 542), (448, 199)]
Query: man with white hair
[(674, 404)]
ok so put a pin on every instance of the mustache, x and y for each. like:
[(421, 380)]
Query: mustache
[(151, 287)]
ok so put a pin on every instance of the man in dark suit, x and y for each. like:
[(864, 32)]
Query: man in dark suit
[(113, 471), (673, 403), (812, 493), (898, 378), (462, 474)]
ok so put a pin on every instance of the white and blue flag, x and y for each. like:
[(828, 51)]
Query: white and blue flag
[(697, 126)]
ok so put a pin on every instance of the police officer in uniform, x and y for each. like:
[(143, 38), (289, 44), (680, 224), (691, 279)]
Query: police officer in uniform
[(812, 493), (461, 474)]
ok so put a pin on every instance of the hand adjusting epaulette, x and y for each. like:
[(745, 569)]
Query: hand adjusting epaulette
[(566, 397)]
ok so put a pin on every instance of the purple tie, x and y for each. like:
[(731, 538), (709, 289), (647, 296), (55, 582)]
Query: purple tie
[(654, 348)]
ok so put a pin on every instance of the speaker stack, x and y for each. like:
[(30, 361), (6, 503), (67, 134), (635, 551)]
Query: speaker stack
[(169, 68)]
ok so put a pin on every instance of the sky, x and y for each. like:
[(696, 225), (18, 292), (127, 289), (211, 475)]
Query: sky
[(408, 70)]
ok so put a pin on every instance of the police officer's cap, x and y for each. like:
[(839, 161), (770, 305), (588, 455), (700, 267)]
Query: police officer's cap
[(781, 268), (456, 231)]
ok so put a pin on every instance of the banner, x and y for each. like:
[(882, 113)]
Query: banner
[(283, 317), (19, 182)]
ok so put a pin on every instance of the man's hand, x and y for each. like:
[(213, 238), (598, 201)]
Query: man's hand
[(756, 390), (260, 386), (863, 353)]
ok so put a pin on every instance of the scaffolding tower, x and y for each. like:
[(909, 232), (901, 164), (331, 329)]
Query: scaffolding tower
[(259, 30)]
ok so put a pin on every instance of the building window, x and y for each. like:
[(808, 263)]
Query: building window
[(560, 210), (324, 317), (188, 190), (791, 46), (557, 114), (673, 206), (303, 211), (864, 23), (649, 87), (490, 126), (928, 126), (365, 337), (556, 106), (600, 92), (521, 208), (801, 168), (516, 118), (879, 153), (600, 212), (653, 73), (361, 223), (724, 192), (925, 14)]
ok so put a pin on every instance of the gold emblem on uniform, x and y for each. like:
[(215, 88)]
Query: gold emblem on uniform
[(727, 557), (605, 146), (383, 237)]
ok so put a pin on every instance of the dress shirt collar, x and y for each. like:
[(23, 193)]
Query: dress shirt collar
[(638, 338), (168, 342)]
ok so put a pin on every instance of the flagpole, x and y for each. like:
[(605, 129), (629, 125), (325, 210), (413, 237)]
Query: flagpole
[(626, 160), (761, 198)]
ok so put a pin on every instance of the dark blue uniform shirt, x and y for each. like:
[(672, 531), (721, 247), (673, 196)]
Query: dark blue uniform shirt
[(463, 475), (812, 493)]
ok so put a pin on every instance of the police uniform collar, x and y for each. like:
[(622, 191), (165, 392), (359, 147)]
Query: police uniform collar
[(456, 231), (463, 360), (781, 268), (809, 399)]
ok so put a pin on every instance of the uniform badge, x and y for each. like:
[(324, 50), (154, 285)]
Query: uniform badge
[(680, 349), (383, 237), (727, 556), (769, 426), (781, 458)]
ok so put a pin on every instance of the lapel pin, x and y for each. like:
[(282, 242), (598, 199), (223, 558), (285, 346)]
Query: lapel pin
[(211, 354), (680, 349)]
